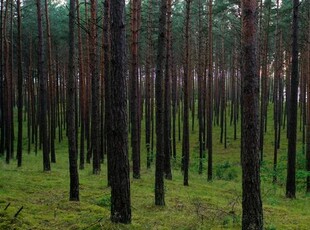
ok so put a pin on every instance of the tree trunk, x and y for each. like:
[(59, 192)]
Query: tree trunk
[(167, 97), (71, 108), (292, 123), (148, 89), (134, 105), (20, 88), (308, 111), (95, 82), (120, 182), (43, 92), (81, 88), (186, 97), (107, 80), (210, 95), (159, 171), (252, 213)]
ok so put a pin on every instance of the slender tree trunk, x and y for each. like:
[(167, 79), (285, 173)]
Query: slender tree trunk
[(167, 97), (134, 105), (292, 123), (71, 108), (20, 88), (107, 80), (43, 91), (200, 90), (82, 88), (264, 89), (210, 95), (252, 213), (186, 97), (159, 171), (95, 82), (148, 104), (308, 111), (120, 182)]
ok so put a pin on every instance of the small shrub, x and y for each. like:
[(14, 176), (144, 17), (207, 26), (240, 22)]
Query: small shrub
[(105, 201), (225, 172)]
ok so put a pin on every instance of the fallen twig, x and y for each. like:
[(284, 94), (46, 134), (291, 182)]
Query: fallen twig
[(93, 223), (7, 206), (16, 214)]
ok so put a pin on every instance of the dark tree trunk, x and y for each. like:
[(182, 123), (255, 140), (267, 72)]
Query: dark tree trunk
[(264, 78), (292, 122), (107, 80), (148, 89), (43, 92), (82, 89), (51, 118), (134, 105), (71, 108), (120, 183), (200, 90), (210, 95), (2, 107), (95, 82), (186, 97), (167, 97), (19, 88), (159, 93), (308, 112), (252, 213)]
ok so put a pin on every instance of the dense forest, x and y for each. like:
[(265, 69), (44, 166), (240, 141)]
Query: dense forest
[(145, 114)]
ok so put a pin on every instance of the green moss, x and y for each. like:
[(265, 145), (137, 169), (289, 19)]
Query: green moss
[(201, 205)]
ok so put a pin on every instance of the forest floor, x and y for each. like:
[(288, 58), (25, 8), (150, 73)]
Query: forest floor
[(201, 205)]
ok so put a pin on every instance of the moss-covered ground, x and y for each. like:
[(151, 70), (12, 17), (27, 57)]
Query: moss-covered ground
[(201, 205)]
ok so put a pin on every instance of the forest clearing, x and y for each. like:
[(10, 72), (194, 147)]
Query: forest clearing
[(147, 114)]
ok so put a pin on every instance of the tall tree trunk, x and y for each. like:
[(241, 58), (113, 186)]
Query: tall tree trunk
[(71, 108), (107, 85), (51, 105), (308, 110), (200, 89), (292, 123), (20, 88), (81, 88), (167, 97), (148, 85), (276, 95), (210, 94), (95, 82), (159, 171), (186, 97), (43, 91), (252, 213), (134, 105), (2, 106), (120, 182), (264, 89)]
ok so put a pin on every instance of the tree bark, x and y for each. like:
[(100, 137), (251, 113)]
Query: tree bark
[(186, 97), (20, 88), (292, 122), (252, 213), (43, 91), (71, 108), (120, 183), (95, 82), (210, 94), (134, 105), (159, 171)]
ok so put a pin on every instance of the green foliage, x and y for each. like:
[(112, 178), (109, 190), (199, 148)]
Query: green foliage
[(105, 201), (225, 171)]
